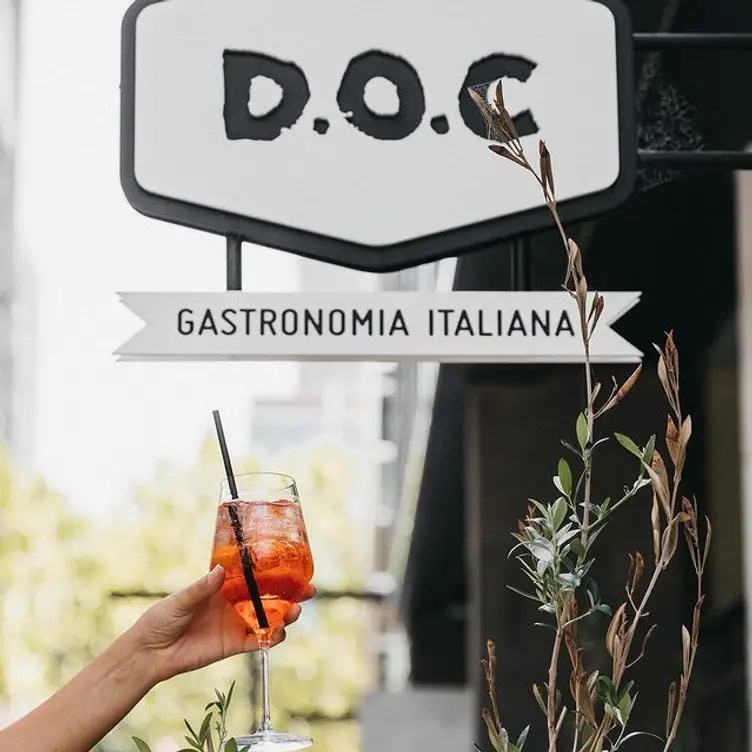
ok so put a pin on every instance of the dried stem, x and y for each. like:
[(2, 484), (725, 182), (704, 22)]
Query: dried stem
[(553, 667), (559, 554)]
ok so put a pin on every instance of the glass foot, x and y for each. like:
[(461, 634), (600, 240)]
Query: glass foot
[(273, 741)]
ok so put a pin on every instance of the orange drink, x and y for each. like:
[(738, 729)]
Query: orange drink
[(274, 535)]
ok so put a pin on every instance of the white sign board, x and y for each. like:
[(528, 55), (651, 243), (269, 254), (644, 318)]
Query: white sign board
[(342, 129), (455, 327)]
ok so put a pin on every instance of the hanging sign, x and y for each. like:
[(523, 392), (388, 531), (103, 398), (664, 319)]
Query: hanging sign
[(454, 327), (342, 130)]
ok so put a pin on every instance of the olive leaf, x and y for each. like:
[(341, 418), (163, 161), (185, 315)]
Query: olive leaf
[(204, 740), (583, 436), (628, 444), (565, 478)]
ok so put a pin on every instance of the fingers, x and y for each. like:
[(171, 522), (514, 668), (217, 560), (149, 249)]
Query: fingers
[(309, 592), (293, 614), (200, 591)]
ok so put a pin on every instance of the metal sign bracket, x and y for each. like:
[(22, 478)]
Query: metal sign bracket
[(667, 160)]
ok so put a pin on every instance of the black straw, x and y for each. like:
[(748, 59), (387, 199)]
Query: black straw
[(250, 580), (225, 454)]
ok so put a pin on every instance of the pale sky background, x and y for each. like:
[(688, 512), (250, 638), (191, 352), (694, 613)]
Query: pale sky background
[(99, 425)]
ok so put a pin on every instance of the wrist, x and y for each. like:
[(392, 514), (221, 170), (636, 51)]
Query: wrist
[(131, 663)]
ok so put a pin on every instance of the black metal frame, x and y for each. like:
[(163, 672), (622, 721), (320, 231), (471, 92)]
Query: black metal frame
[(712, 41), (698, 42), (665, 160), (696, 160), (234, 262)]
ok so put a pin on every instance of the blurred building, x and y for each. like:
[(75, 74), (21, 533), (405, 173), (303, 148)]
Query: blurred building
[(9, 28), (489, 433), (409, 390), (326, 402), (404, 714), (339, 402), (336, 400)]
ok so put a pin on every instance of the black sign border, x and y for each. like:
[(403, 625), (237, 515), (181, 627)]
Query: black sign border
[(389, 258)]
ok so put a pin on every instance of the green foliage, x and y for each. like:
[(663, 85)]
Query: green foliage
[(52, 580), (212, 733), (557, 541)]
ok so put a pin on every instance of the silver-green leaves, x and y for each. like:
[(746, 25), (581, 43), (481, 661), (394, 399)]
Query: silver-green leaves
[(583, 434), (563, 481)]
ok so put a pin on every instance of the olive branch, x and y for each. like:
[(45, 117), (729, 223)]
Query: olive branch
[(555, 540), (212, 732)]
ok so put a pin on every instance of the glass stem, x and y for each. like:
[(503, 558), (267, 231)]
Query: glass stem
[(266, 720)]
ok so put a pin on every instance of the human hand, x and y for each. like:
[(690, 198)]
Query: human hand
[(196, 626)]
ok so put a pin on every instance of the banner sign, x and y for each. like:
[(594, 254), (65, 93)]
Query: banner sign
[(454, 327), (342, 130)]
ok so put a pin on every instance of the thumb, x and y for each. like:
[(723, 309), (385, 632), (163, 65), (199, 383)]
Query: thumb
[(193, 595)]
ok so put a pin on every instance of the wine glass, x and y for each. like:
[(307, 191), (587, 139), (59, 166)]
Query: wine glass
[(261, 541)]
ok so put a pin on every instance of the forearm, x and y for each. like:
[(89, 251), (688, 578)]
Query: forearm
[(85, 710)]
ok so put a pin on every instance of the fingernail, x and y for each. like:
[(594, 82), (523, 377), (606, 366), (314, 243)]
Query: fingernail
[(216, 573)]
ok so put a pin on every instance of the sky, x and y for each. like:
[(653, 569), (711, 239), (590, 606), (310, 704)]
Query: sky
[(99, 426)]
